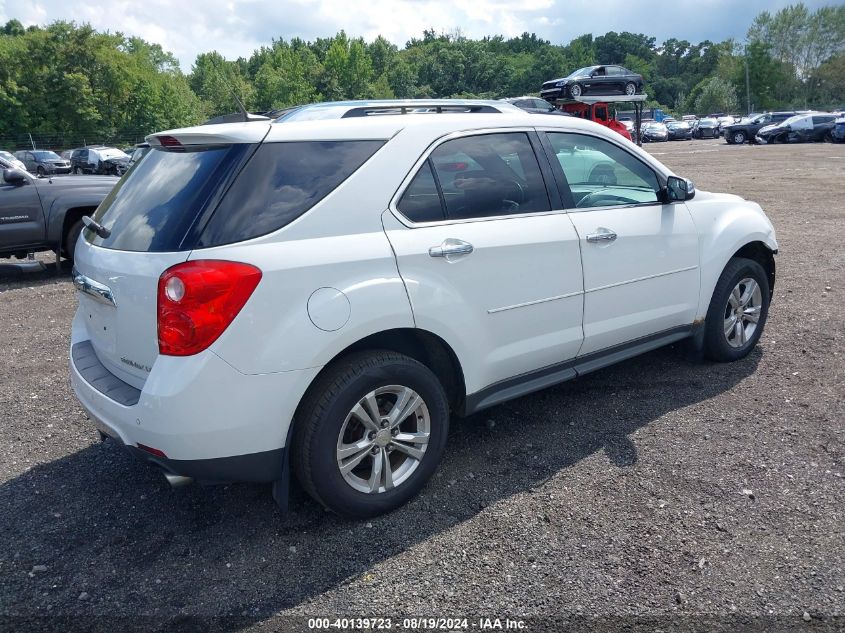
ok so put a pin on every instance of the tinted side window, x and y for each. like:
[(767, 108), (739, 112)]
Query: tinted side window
[(421, 200), (490, 175), (280, 183), (601, 174)]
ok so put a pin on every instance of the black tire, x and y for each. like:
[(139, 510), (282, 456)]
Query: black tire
[(40, 172), (630, 89), (321, 416), (716, 345), (575, 91), (71, 238), (77, 170), (738, 137)]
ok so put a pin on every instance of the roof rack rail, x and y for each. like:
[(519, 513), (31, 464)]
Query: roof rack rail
[(421, 107)]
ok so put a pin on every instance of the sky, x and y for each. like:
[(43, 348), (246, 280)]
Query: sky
[(237, 27)]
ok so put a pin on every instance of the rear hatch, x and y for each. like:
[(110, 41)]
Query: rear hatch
[(154, 215)]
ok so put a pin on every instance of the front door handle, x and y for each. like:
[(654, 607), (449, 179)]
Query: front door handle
[(450, 247), (601, 235)]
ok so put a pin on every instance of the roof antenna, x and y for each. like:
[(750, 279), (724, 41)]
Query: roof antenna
[(247, 117)]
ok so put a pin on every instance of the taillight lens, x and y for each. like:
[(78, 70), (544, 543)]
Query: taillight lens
[(198, 300)]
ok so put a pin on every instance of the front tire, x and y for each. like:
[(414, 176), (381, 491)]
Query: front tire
[(738, 311), (370, 433), (739, 138), (40, 172), (575, 91)]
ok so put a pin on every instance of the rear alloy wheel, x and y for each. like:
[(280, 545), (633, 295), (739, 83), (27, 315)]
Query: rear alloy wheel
[(737, 312), (630, 89), (739, 138), (370, 433), (575, 91)]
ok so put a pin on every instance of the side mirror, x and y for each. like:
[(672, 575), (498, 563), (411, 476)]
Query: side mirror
[(678, 189), (14, 176)]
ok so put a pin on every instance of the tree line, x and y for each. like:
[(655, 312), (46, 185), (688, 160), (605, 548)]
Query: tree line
[(66, 84)]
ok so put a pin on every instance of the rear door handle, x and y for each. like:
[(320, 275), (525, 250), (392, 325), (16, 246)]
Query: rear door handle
[(449, 247), (601, 235)]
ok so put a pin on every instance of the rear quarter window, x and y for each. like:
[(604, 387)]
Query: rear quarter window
[(280, 183)]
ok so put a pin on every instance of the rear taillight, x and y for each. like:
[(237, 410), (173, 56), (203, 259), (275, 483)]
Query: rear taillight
[(198, 300)]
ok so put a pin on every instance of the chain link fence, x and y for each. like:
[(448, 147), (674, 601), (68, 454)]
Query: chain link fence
[(57, 143)]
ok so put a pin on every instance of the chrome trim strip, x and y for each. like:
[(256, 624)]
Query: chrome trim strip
[(535, 302), (631, 281), (100, 292)]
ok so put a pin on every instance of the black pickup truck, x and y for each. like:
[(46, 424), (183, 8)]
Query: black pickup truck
[(45, 214)]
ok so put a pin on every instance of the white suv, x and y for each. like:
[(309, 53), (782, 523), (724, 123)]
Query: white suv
[(323, 294)]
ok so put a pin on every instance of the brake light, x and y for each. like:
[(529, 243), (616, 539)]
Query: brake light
[(170, 142), (198, 300)]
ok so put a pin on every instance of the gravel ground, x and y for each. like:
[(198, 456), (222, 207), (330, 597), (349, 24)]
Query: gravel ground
[(655, 493)]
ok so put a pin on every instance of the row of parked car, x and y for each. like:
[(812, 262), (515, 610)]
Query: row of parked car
[(764, 128), (93, 159)]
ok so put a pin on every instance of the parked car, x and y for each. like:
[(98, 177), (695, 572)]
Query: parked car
[(706, 128), (352, 283), (678, 130), (801, 128), (10, 160), (838, 132), (593, 80), (534, 105), (41, 215), (654, 131), (747, 128), (99, 160), (43, 162)]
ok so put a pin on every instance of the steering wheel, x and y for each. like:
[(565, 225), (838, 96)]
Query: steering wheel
[(591, 199)]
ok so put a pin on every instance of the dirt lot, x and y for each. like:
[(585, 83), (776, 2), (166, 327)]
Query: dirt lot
[(655, 493)]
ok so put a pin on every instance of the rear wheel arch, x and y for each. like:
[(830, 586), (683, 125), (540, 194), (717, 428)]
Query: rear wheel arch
[(421, 345)]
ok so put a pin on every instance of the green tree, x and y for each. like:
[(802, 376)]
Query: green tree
[(716, 95)]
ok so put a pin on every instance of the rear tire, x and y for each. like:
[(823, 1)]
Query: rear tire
[(335, 426), (71, 238), (630, 89), (730, 329)]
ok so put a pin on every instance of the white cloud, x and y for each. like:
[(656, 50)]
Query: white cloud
[(237, 27)]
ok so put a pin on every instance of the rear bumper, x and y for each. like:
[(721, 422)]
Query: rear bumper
[(211, 421)]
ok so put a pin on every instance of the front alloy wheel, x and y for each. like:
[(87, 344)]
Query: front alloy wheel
[(575, 91), (383, 439), (738, 310), (739, 137), (742, 312)]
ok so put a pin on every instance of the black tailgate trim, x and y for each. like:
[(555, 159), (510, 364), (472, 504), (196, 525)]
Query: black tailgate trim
[(94, 372)]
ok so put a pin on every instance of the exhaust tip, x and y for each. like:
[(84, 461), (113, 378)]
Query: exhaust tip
[(177, 481)]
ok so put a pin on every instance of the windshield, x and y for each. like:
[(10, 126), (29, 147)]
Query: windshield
[(708, 122), (581, 71), (46, 156)]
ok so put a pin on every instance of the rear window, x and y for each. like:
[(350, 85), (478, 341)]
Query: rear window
[(208, 196), (280, 183), (157, 206)]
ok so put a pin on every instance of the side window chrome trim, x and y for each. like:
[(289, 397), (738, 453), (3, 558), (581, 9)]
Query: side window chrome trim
[(409, 177)]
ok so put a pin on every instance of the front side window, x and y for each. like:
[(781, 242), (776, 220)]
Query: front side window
[(601, 174), (489, 175)]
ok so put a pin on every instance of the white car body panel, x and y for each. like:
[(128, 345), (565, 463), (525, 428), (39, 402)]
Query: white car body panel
[(511, 306), (643, 282)]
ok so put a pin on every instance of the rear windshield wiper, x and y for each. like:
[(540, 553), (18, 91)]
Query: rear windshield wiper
[(95, 226)]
